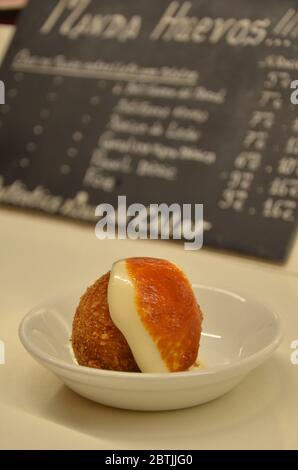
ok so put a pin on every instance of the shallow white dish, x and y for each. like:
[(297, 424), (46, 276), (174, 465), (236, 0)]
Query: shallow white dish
[(238, 335)]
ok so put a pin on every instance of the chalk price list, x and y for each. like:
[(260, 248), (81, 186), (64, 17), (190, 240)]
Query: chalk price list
[(279, 195), (147, 137)]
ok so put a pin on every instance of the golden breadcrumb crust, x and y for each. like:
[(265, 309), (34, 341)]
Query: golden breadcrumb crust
[(96, 341)]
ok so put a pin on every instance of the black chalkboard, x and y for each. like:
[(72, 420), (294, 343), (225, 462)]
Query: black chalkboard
[(163, 101)]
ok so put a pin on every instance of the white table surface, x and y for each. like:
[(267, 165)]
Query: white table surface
[(41, 256)]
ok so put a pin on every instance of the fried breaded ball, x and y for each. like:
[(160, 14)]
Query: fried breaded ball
[(96, 341)]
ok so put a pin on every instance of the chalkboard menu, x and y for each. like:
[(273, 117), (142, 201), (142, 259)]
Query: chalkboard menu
[(161, 101)]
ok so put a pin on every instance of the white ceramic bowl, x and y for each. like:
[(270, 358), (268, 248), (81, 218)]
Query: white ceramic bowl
[(238, 335)]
